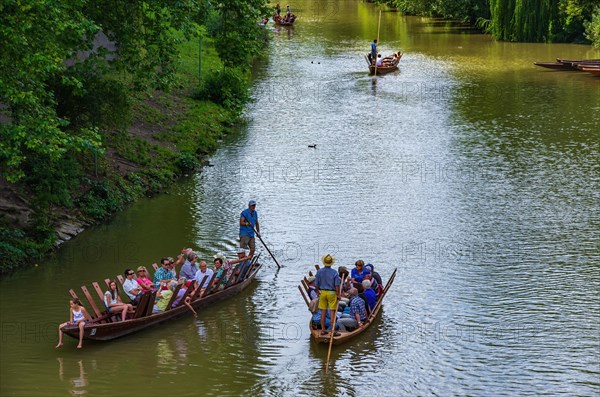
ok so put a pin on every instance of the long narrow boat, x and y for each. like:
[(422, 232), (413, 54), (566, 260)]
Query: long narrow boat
[(347, 335), (594, 71), (105, 326), (282, 22), (394, 60), (567, 64), (554, 65), (577, 60)]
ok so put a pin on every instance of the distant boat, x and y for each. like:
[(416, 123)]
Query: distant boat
[(567, 64), (390, 63), (283, 21), (593, 70)]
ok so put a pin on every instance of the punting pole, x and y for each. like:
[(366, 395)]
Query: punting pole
[(265, 245), (333, 318), (378, 27)]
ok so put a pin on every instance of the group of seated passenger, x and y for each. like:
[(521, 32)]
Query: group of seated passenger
[(388, 61), (360, 290), (287, 18), (192, 274)]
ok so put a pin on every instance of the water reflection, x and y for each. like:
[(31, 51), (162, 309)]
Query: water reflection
[(473, 172), (78, 384)]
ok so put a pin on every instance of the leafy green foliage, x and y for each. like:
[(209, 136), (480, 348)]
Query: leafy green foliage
[(147, 34), (239, 39), (228, 87), (36, 38), (16, 248), (66, 98), (513, 20), (592, 28)]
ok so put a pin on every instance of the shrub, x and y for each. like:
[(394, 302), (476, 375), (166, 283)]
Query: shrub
[(228, 87)]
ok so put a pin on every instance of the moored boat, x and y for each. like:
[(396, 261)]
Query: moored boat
[(554, 65), (593, 70), (567, 64), (390, 63), (106, 326), (343, 336)]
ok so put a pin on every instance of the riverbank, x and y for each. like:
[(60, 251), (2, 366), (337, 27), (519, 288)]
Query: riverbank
[(563, 21), (170, 135)]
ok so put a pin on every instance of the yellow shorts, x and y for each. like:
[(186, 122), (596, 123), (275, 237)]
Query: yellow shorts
[(328, 298)]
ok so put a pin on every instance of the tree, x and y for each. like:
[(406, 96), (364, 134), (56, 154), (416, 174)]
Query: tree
[(36, 38)]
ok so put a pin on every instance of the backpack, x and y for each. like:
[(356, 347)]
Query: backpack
[(313, 306)]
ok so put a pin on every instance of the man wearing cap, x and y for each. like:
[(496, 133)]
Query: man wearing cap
[(327, 284), (248, 224), (312, 291)]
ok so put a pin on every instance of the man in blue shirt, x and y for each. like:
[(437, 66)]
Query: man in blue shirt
[(248, 224), (163, 275), (373, 56), (327, 285)]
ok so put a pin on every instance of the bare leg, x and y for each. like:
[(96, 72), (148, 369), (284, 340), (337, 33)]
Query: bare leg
[(81, 325), (190, 307), (60, 334), (124, 313), (323, 314)]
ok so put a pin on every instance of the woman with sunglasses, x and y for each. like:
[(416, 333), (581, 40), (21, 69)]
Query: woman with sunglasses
[(143, 280)]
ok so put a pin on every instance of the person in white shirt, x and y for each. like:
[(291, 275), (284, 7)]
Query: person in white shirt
[(131, 287), (203, 271)]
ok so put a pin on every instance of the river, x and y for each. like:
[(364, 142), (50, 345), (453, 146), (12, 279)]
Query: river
[(473, 172)]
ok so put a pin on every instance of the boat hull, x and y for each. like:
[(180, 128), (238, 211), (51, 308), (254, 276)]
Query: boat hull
[(344, 335), (385, 69), (554, 65), (594, 71), (565, 64)]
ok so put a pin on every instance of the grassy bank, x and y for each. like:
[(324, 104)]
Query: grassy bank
[(165, 135)]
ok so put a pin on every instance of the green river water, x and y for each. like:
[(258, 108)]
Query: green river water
[(470, 170)]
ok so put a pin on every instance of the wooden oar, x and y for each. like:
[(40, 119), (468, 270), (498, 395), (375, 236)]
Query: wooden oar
[(265, 245), (378, 26), (333, 318)]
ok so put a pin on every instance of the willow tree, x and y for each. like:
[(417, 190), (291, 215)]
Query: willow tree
[(539, 20)]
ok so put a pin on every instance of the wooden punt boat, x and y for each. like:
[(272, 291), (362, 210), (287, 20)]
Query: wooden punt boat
[(554, 65), (577, 60), (593, 70), (281, 22), (106, 326), (390, 67), (344, 336), (567, 64)]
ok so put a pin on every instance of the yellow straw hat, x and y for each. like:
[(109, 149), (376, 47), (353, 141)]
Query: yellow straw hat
[(328, 260)]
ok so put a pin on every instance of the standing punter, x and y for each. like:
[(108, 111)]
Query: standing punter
[(373, 54), (248, 224), (327, 283)]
